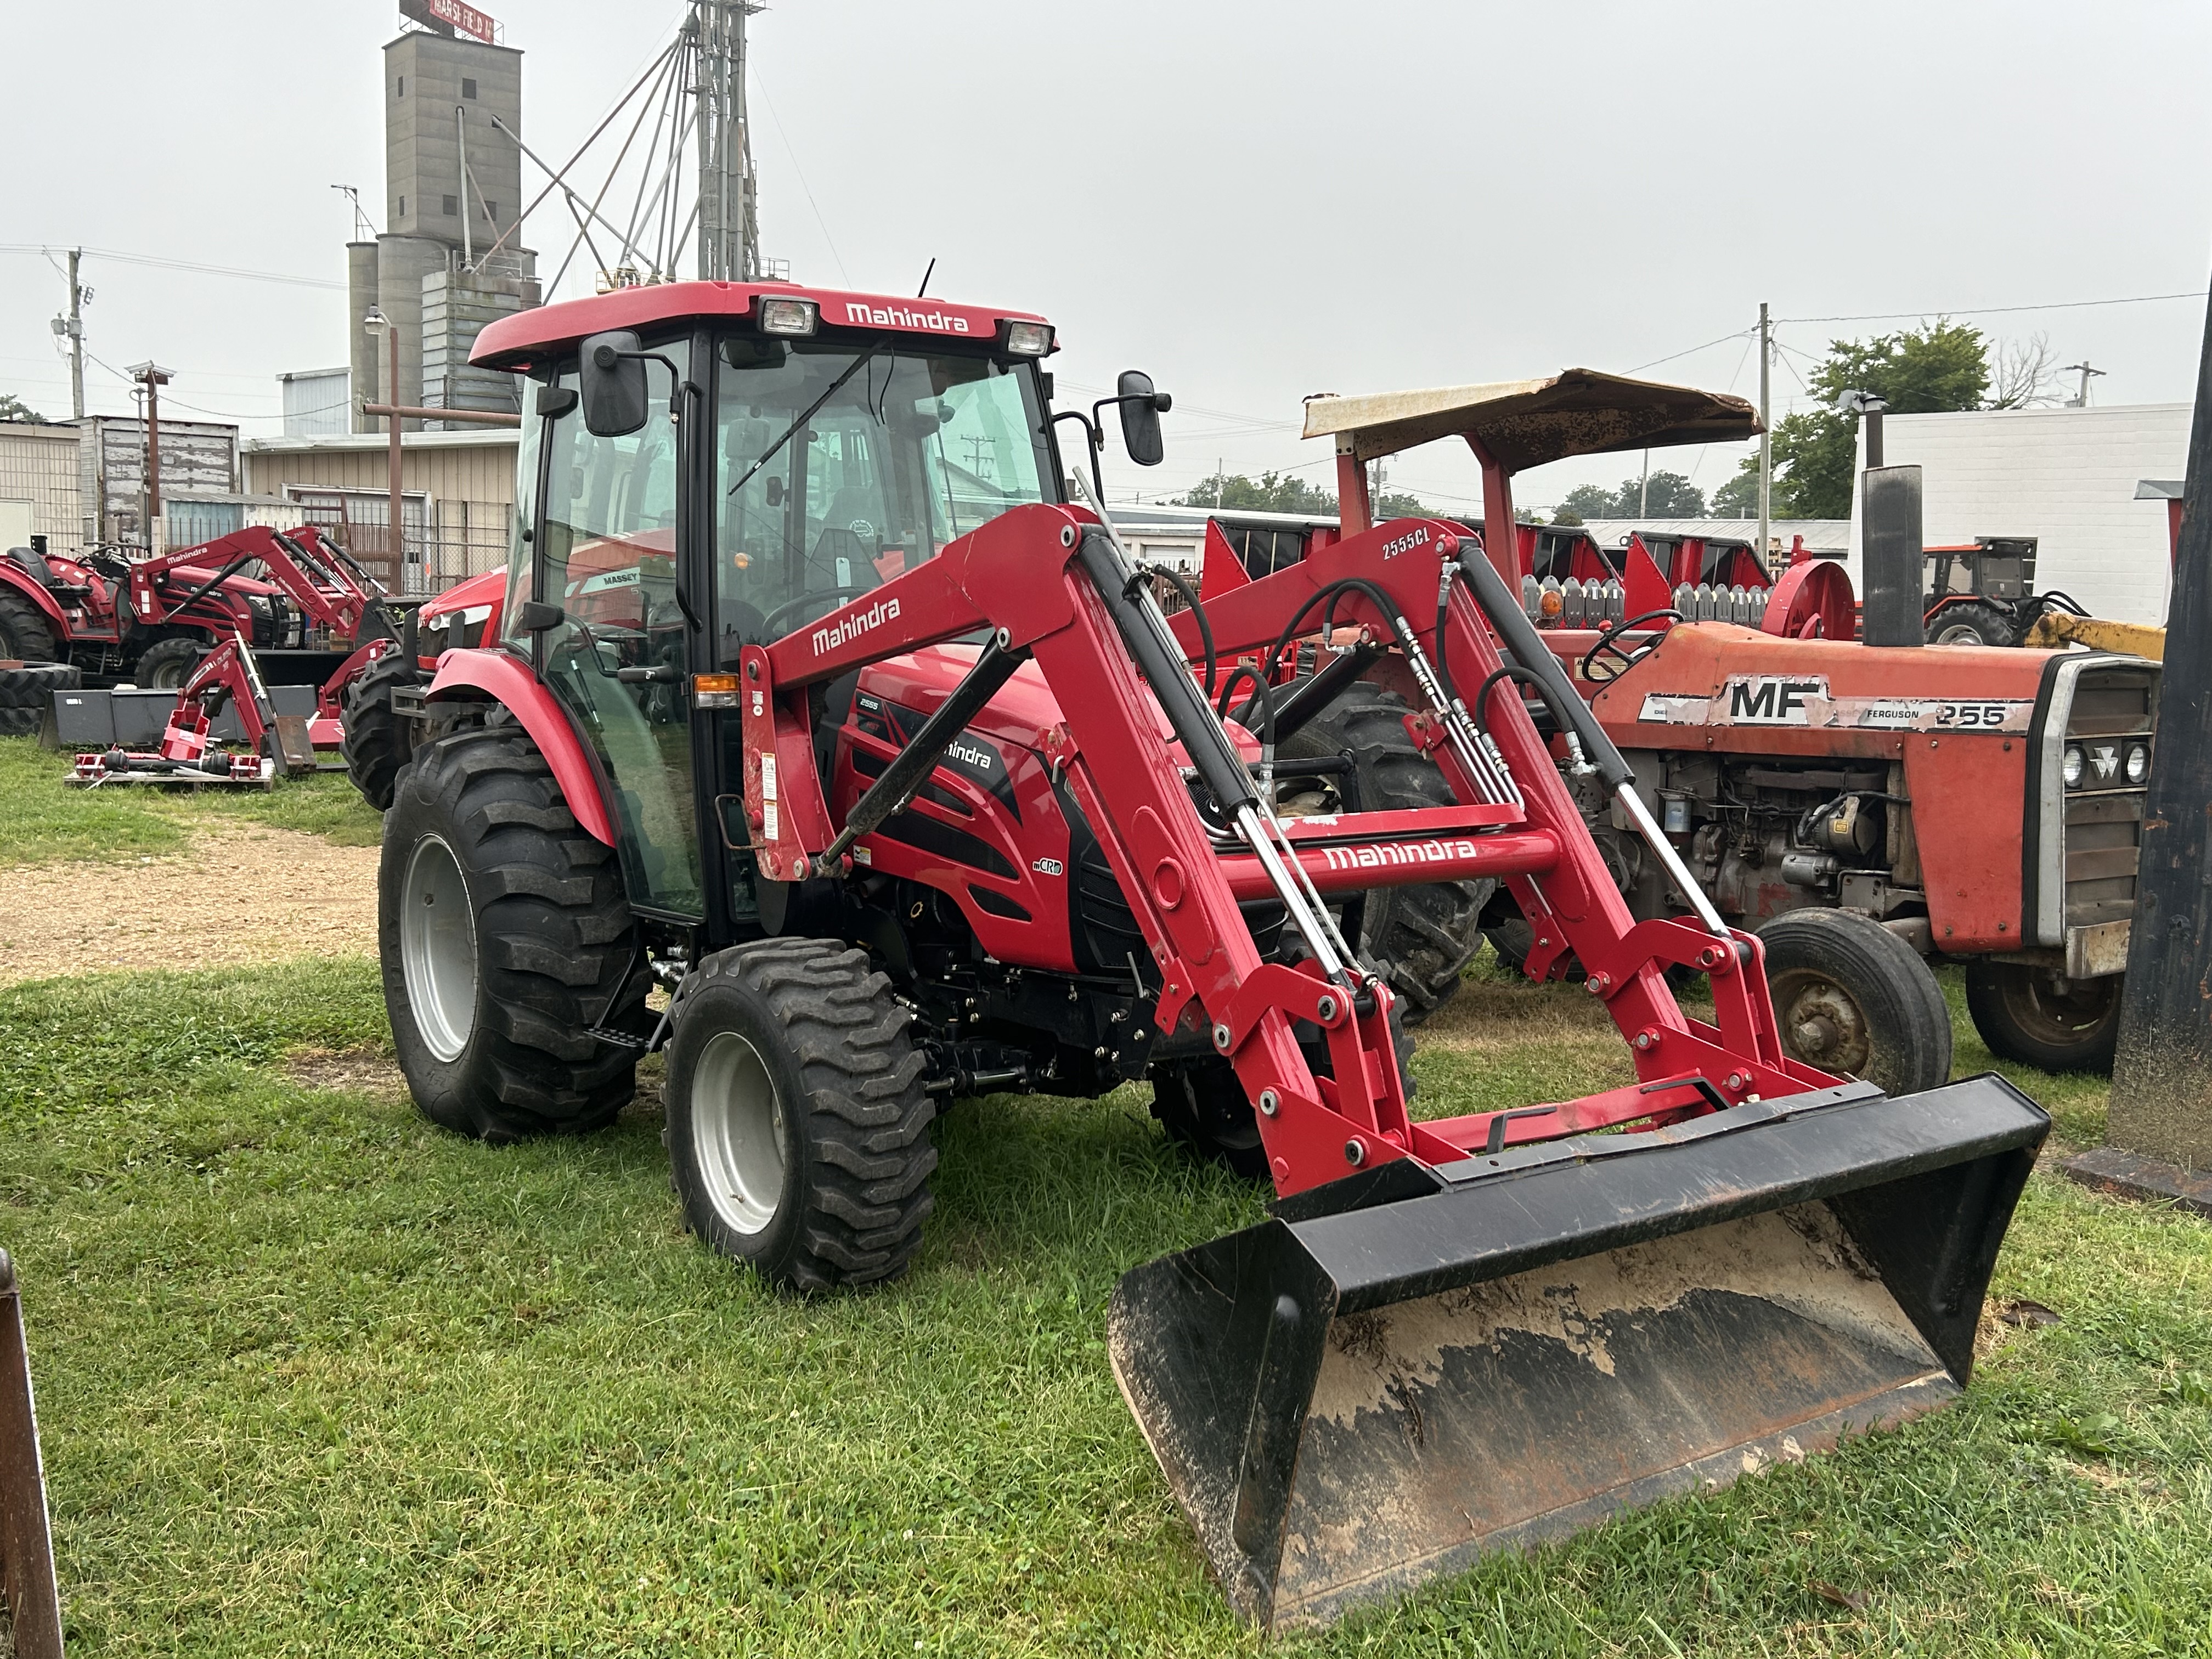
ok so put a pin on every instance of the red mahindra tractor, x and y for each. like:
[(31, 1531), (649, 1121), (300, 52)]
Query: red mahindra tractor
[(814, 704), (1871, 810)]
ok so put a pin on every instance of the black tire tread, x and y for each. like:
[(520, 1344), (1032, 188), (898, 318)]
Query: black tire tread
[(1993, 1022), (186, 653), (26, 635), (376, 743), (1418, 938), (558, 941), (1893, 986), (863, 1119)]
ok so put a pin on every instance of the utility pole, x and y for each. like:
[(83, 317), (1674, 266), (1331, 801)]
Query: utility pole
[(1765, 434), (71, 328), (1643, 490), (153, 378), (729, 223), (377, 323), (2083, 369)]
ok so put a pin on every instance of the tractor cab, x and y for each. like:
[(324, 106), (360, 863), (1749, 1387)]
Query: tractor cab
[(758, 459)]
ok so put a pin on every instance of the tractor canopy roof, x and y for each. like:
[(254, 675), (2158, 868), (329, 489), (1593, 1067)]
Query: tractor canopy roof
[(1524, 423), (513, 342)]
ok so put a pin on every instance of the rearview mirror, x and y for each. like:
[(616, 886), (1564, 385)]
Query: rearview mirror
[(616, 403), (1141, 409)]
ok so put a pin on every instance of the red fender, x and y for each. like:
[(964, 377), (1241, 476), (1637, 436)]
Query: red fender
[(511, 684), (38, 595), (1812, 601)]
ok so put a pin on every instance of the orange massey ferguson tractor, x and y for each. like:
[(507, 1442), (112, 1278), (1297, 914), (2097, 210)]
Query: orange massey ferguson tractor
[(1869, 809), (814, 702)]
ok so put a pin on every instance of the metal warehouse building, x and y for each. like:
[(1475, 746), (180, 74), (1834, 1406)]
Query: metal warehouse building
[(2066, 476)]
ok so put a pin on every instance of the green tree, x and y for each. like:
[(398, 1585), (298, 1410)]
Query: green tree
[(1740, 495), (1939, 366), (1273, 492), (13, 408), (1666, 495), (1397, 504)]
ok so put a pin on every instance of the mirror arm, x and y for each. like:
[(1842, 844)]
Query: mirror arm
[(1090, 425)]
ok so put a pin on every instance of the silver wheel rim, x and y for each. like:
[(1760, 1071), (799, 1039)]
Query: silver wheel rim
[(438, 949), (737, 1133), (1959, 634)]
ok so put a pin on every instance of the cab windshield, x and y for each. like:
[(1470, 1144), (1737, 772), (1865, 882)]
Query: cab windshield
[(842, 464)]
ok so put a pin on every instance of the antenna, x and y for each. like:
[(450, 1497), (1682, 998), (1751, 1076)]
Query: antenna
[(729, 224), (923, 290), (363, 231)]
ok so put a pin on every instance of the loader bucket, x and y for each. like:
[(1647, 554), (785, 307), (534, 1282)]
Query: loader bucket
[(1448, 1361), (27, 1548)]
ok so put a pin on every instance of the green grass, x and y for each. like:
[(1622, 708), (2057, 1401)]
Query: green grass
[(43, 820), (315, 1378)]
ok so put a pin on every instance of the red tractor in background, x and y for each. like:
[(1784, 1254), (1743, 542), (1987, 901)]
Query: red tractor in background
[(1871, 811), (814, 703)]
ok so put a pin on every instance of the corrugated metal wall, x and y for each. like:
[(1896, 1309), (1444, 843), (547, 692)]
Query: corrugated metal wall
[(39, 464), (463, 466)]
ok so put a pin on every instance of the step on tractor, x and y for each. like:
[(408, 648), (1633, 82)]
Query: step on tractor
[(1872, 811), (817, 705)]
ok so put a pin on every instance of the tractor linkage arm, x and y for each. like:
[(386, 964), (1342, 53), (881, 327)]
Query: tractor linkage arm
[(1054, 584)]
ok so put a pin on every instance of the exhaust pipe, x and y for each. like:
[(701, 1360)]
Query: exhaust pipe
[(1387, 1381), (1891, 558)]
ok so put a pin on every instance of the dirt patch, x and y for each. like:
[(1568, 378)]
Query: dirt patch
[(347, 1071), (238, 895)]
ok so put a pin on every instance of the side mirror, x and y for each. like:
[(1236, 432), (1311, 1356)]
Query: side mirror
[(612, 380), (1141, 409)]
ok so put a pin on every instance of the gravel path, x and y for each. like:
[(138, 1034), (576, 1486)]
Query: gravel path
[(238, 895)]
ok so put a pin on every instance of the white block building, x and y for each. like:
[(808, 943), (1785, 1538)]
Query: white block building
[(2066, 476)]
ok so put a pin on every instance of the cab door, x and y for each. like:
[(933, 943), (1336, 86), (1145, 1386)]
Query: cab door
[(608, 553)]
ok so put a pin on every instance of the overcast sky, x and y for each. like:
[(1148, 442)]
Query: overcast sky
[(1254, 202)]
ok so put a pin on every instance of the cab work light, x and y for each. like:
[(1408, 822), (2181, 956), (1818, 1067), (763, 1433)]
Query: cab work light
[(1028, 339), (782, 316)]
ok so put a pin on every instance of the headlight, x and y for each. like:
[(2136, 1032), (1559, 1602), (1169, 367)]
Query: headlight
[(2074, 767), (1028, 339), (2138, 766), (782, 316)]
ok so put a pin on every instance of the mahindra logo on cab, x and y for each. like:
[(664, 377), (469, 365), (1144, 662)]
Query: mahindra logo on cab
[(902, 317), (978, 757), (827, 639)]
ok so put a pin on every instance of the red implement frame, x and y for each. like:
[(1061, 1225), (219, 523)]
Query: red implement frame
[(1024, 576), (332, 590)]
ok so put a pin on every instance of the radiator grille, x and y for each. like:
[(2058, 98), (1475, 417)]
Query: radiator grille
[(2104, 822)]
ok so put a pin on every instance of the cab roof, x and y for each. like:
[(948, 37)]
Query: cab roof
[(514, 342), (1524, 423)]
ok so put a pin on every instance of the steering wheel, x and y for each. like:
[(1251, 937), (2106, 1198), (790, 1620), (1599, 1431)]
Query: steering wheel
[(1608, 644), (828, 596)]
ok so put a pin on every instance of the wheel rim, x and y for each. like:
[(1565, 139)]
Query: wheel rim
[(1822, 1024), (737, 1126), (438, 949), (1959, 634), (2060, 1017), (168, 676)]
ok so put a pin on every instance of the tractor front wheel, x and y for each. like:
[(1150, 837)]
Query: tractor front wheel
[(506, 943), (377, 742), (2041, 1018), (798, 1130), (1850, 996)]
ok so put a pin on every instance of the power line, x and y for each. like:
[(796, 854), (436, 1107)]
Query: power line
[(180, 264), (1991, 310), (1692, 352)]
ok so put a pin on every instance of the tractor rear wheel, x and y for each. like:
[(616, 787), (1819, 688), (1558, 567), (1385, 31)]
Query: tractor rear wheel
[(377, 742), (506, 941), (165, 665), (1850, 996), (2039, 1017), (25, 634), (798, 1131), (1418, 938), (1973, 623)]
